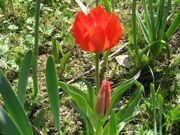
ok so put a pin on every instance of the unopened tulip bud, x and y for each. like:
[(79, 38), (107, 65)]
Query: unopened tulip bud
[(103, 99)]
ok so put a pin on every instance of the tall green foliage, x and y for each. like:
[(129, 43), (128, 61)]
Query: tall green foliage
[(154, 29), (35, 50)]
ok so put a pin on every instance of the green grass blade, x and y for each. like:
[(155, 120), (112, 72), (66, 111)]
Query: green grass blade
[(147, 18), (160, 15), (107, 5), (153, 99), (143, 27), (160, 103), (23, 76), (174, 26), (152, 21), (134, 25), (52, 88), (121, 89), (14, 107), (134, 35), (6, 124), (152, 74), (64, 61), (164, 20), (55, 51)]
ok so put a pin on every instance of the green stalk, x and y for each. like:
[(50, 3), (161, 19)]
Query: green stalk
[(151, 13), (97, 2), (134, 31), (106, 54), (147, 18), (107, 5), (160, 103), (153, 98), (104, 63), (174, 26), (167, 8), (35, 50), (97, 73), (159, 18)]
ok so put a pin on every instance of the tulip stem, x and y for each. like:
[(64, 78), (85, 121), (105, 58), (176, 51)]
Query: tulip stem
[(97, 73)]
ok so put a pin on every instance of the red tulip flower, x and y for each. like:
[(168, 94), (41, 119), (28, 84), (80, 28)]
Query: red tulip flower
[(103, 99), (97, 31)]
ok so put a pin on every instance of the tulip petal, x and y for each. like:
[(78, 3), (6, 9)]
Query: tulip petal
[(100, 104), (103, 99), (76, 31), (96, 40), (114, 30), (99, 16), (80, 30)]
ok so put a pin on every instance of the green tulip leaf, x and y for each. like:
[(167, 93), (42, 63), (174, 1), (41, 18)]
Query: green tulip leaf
[(23, 76), (64, 61), (107, 5), (112, 124), (77, 95), (55, 51), (117, 92), (90, 93), (52, 88), (126, 113), (14, 107), (7, 125), (89, 125), (174, 26)]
